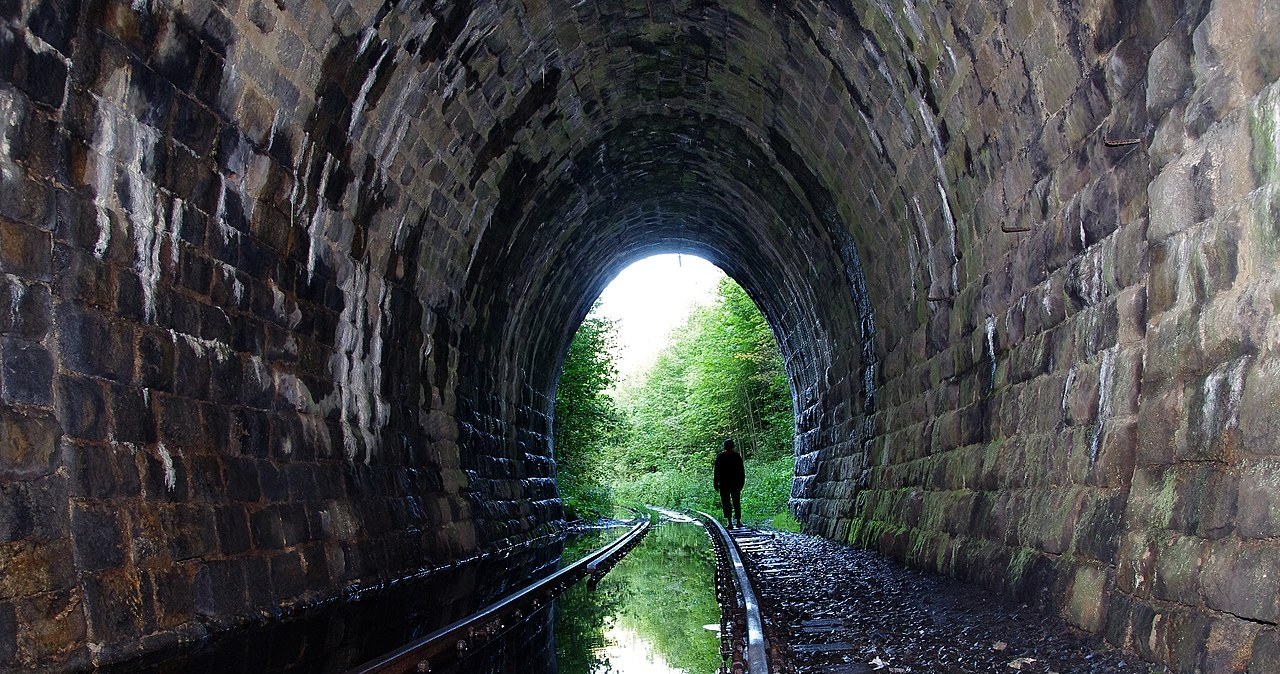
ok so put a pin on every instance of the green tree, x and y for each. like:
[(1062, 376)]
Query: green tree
[(722, 376), (586, 418)]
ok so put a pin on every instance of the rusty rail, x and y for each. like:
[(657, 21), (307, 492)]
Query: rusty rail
[(756, 654), (452, 642)]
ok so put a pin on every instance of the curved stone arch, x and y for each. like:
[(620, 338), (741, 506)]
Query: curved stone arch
[(759, 224)]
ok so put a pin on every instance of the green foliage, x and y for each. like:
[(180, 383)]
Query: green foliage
[(581, 613), (663, 592), (785, 521), (721, 377), (586, 419)]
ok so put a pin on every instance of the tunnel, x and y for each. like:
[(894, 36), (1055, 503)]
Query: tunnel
[(285, 288)]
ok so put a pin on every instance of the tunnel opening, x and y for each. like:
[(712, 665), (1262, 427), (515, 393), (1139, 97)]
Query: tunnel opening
[(673, 359)]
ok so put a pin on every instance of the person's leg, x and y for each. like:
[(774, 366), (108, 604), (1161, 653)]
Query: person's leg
[(726, 506), (737, 506)]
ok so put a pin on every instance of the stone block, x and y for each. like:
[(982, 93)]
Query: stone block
[(294, 524), (169, 595), (220, 589), (190, 530), (1080, 399), (266, 528), (1174, 347), (1266, 652), (49, 625), (1258, 502), (1174, 636), (233, 529), (81, 277), (315, 563), (113, 604), (1160, 416), (1212, 431), (28, 443), (1229, 645), (1205, 503), (165, 474), (1115, 457), (28, 309), (1119, 627), (1099, 526), (36, 567), (194, 125), (92, 344), (257, 573), (1125, 382), (1259, 422), (131, 415), (27, 374), (1176, 572), (1174, 201), (1136, 563), (275, 488), (181, 421), (242, 480), (27, 201), (25, 251), (1243, 578), (8, 635), (205, 478), (100, 472), (1168, 74), (288, 578), (192, 372), (99, 538), (41, 75), (1088, 598), (82, 407), (157, 359)]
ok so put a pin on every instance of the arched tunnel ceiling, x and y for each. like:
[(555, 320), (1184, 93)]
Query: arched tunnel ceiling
[(815, 150), (701, 111)]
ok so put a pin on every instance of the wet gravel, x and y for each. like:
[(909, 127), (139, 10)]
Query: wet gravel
[(834, 609)]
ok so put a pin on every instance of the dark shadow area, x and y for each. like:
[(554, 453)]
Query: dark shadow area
[(340, 635)]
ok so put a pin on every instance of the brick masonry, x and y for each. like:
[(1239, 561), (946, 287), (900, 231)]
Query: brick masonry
[(284, 288)]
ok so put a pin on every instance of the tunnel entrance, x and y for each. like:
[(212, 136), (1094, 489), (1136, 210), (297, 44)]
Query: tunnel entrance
[(673, 359)]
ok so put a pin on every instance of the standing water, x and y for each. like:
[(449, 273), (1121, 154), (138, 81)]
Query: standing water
[(648, 614)]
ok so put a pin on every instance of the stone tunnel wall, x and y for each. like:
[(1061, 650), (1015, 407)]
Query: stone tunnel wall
[(1084, 411), (284, 289), (227, 360)]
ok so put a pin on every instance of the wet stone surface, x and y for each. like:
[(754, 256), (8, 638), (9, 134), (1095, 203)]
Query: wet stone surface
[(834, 609)]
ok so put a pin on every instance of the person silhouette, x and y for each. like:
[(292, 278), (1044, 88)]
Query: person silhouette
[(729, 477)]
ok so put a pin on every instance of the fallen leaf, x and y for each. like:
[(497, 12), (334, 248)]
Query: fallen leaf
[(999, 646), (1021, 662)]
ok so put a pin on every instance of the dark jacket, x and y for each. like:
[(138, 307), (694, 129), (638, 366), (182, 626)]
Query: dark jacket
[(729, 474)]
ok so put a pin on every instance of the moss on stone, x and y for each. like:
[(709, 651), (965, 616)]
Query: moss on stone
[(1162, 504), (1264, 131), (1019, 563)]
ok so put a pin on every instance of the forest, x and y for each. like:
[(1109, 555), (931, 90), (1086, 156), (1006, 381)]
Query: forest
[(650, 439)]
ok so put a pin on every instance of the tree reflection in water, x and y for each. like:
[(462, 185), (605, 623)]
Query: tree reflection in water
[(662, 593)]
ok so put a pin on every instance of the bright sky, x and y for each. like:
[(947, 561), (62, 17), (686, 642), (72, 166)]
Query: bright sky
[(629, 652), (652, 297)]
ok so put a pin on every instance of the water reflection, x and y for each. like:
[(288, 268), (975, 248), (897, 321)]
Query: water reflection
[(337, 636), (648, 614)]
